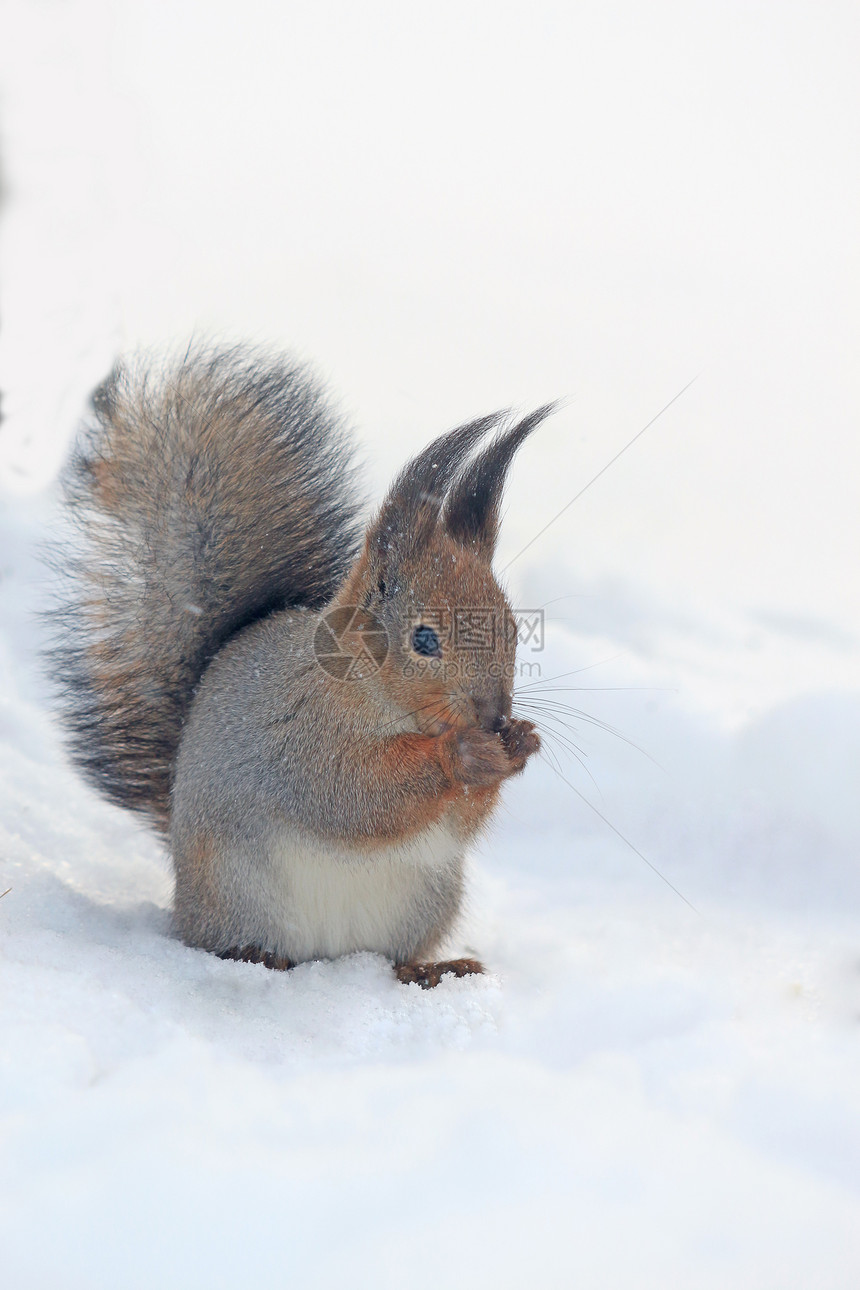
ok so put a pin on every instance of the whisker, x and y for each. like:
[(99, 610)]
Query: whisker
[(627, 842), (573, 672), (548, 715), (571, 749), (405, 716), (551, 758), (551, 705), (600, 689), (571, 595), (600, 473)]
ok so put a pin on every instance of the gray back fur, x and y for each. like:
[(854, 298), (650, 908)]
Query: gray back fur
[(205, 495)]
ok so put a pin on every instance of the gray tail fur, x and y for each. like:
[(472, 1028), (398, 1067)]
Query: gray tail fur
[(205, 496)]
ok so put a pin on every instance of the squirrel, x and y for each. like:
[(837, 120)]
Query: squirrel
[(305, 712)]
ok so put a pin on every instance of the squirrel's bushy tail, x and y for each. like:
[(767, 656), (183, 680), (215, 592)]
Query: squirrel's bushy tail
[(205, 495)]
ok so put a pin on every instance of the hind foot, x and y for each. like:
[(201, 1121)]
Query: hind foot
[(253, 954), (429, 974)]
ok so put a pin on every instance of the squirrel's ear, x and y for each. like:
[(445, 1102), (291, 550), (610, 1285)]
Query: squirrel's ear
[(473, 505), (411, 510)]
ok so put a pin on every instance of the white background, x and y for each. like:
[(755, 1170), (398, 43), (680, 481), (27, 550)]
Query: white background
[(448, 210)]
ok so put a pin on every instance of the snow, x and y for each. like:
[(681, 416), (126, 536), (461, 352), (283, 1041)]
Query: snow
[(647, 1089), (637, 1094)]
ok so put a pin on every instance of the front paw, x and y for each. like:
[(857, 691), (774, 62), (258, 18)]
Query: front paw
[(520, 741), (477, 757)]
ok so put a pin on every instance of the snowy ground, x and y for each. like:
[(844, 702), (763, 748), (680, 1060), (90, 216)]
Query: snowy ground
[(639, 1095), (502, 208)]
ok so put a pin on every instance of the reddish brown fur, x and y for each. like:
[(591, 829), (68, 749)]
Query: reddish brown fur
[(209, 498), (428, 975)]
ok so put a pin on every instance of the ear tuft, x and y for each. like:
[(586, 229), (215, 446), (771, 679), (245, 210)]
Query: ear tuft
[(411, 509), (473, 505)]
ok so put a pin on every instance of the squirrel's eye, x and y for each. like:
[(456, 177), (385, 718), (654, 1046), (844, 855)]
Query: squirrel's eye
[(425, 641)]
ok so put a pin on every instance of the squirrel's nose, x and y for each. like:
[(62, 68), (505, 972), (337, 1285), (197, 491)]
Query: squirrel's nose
[(492, 714)]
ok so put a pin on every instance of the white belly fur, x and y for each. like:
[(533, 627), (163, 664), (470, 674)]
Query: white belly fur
[(331, 900)]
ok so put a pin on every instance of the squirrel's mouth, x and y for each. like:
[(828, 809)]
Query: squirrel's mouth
[(458, 712)]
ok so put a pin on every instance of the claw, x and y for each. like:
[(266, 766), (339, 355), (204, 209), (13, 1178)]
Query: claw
[(428, 975)]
